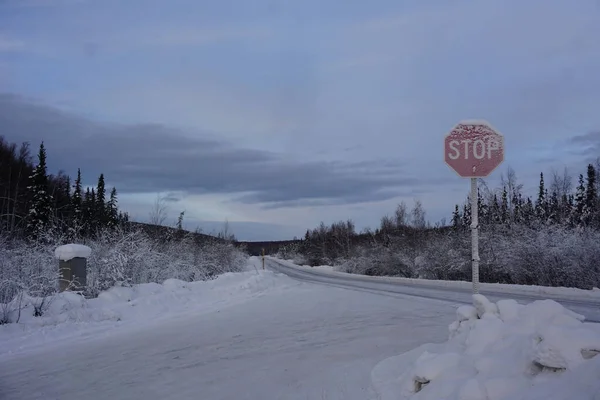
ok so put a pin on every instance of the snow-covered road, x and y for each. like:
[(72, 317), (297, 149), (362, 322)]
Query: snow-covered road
[(589, 307), (306, 341)]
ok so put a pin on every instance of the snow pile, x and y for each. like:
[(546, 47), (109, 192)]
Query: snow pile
[(67, 314), (501, 350), (71, 251)]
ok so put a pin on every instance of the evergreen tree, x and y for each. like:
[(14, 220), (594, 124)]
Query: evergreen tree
[(456, 218), (554, 213), (112, 210), (180, 221), (540, 204), (60, 190), (591, 198), (517, 204), (40, 212), (89, 211), (504, 217), (100, 209), (528, 211), (77, 200), (579, 206), (495, 211), (466, 215)]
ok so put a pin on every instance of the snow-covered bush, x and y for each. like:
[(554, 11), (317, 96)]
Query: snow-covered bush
[(29, 270), (379, 260), (291, 251), (502, 351), (546, 256)]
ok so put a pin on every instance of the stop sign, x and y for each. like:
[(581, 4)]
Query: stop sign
[(473, 149)]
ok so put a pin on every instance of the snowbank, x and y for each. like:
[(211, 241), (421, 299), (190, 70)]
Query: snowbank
[(556, 292), (69, 315), (500, 351), (71, 251)]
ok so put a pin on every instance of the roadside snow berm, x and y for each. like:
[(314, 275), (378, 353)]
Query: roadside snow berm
[(501, 350)]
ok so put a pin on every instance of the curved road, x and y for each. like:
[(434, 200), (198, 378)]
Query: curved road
[(292, 341), (588, 308), (299, 339)]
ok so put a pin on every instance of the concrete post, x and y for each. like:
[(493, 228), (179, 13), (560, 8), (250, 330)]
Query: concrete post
[(73, 274), (72, 266)]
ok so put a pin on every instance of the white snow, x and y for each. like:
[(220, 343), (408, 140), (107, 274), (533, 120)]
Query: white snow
[(562, 292), (70, 251), (282, 339), (500, 351), (70, 315)]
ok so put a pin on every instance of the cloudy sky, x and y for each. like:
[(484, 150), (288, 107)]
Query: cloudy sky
[(276, 115)]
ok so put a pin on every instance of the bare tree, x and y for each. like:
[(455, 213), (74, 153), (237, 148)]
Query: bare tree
[(418, 215), (226, 232), (513, 187), (401, 215), (387, 224), (561, 184), (159, 211)]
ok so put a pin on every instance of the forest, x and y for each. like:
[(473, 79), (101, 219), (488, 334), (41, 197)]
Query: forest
[(552, 239), (40, 211)]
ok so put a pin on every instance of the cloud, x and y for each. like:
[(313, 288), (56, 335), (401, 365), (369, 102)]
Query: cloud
[(587, 145), (156, 158), (9, 45)]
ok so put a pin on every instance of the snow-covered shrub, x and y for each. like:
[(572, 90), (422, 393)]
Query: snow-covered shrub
[(123, 258), (379, 260), (547, 256), (29, 270)]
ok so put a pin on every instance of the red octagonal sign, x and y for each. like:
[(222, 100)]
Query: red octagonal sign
[(473, 149)]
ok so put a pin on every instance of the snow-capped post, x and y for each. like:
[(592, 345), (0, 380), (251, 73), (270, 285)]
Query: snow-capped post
[(72, 266), (263, 258), (473, 149)]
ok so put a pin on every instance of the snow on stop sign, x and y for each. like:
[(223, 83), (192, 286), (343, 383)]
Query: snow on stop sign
[(473, 149)]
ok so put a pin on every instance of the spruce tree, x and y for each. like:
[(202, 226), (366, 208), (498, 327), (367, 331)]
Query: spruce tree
[(590, 213), (517, 204), (180, 221), (456, 218), (40, 212), (77, 200), (579, 206), (528, 211), (504, 217), (495, 211), (100, 209), (540, 204), (466, 215), (112, 209)]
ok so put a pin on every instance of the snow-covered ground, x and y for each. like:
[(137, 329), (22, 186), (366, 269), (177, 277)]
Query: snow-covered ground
[(263, 335), (241, 336), (585, 302), (500, 351), (70, 316), (560, 292)]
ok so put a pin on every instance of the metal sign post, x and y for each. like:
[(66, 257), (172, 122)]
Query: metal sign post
[(473, 149), (474, 236)]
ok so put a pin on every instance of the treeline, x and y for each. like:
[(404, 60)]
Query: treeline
[(34, 204), (556, 205), (40, 211), (552, 239)]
